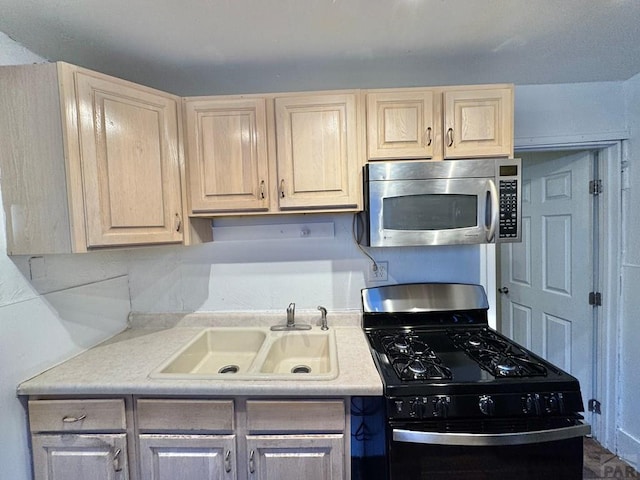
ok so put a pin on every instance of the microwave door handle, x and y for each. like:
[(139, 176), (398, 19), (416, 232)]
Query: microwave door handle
[(494, 205)]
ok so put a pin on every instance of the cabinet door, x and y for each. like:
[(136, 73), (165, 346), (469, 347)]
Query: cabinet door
[(478, 123), (129, 162), (193, 457), (227, 157), (318, 151), (80, 457), (295, 457), (400, 124)]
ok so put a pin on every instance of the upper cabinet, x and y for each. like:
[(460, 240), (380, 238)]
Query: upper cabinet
[(440, 123), (271, 154), (227, 154), (88, 161), (318, 160)]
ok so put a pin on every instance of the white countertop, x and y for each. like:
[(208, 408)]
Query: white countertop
[(122, 364)]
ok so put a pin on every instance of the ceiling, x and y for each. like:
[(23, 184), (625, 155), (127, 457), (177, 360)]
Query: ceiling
[(193, 47)]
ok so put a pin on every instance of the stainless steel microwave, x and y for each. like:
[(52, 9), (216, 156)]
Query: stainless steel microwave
[(451, 202)]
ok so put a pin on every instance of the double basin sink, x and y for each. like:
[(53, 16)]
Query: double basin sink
[(254, 353)]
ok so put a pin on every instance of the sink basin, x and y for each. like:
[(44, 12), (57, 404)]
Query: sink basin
[(216, 351), (237, 353), (301, 353)]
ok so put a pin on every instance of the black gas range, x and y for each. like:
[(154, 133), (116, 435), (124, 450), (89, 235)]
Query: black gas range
[(455, 388)]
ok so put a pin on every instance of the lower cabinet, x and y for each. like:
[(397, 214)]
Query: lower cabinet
[(79, 439), (80, 457), (187, 456), (241, 439), (196, 439), (295, 457)]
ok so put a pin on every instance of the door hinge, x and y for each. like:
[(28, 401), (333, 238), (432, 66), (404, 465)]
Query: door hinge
[(594, 406), (595, 187), (595, 299)]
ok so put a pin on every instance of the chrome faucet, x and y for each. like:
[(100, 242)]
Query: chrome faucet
[(291, 321), (291, 313), (323, 318)]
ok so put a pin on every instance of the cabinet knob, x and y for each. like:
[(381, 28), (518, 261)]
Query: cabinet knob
[(252, 466), (178, 222), (117, 464), (450, 137), (70, 419), (428, 137), (227, 461), (262, 189), (282, 188)]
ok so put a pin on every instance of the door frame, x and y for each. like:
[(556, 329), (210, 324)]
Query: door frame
[(606, 386)]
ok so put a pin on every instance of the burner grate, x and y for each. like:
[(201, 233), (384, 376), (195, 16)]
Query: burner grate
[(412, 358), (496, 355)]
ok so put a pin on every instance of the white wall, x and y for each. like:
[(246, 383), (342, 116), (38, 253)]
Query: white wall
[(73, 304), (269, 274), (628, 435)]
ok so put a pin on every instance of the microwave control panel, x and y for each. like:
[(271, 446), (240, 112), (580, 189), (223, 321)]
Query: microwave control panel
[(508, 227)]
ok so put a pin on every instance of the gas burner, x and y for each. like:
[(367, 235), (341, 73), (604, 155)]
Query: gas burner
[(412, 358), (496, 355), (406, 343), (419, 368)]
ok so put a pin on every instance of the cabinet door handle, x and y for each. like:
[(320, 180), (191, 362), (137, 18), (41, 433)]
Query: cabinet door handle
[(450, 137), (227, 461), (117, 464), (252, 466), (70, 419), (262, 189), (428, 136), (178, 222), (282, 188)]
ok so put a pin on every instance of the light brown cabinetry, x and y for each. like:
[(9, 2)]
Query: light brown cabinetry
[(79, 439), (272, 154), (238, 439), (289, 440), (195, 438), (192, 439), (440, 123), (228, 158), (88, 161)]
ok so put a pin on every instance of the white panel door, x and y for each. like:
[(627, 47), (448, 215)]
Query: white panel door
[(548, 276)]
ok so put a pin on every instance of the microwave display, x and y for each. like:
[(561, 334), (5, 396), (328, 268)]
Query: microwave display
[(430, 212)]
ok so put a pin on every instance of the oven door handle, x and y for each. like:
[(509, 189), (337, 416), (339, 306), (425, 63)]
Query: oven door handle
[(490, 439)]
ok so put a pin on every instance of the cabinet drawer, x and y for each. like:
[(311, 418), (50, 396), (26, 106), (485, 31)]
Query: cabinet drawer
[(77, 415), (185, 415), (295, 416)]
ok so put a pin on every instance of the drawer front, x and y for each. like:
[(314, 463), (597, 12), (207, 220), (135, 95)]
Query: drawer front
[(212, 416), (295, 416), (77, 415)]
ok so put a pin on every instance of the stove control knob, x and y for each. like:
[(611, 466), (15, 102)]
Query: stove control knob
[(418, 407), (441, 407), (532, 404), (555, 403), (399, 405), (487, 405)]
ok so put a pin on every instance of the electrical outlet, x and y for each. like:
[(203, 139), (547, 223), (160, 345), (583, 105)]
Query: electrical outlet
[(379, 274)]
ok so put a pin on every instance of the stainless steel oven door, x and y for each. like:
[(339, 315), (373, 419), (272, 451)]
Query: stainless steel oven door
[(531, 455), (432, 212)]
